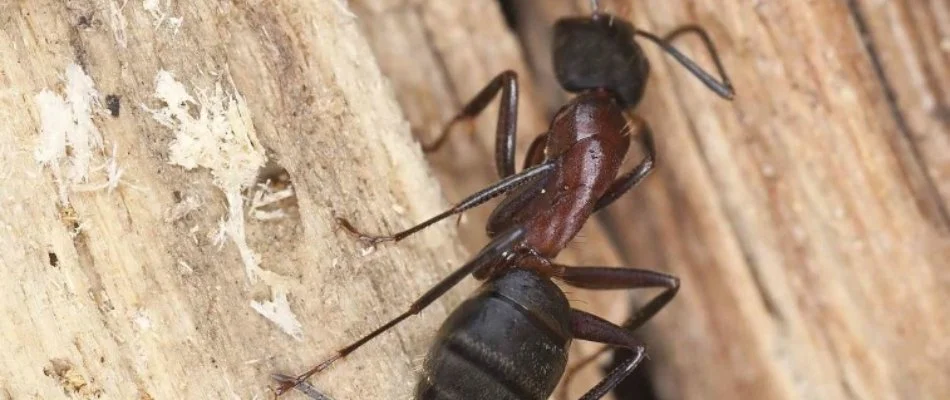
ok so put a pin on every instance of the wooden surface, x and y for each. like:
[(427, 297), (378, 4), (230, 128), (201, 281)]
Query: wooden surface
[(124, 293), (807, 219)]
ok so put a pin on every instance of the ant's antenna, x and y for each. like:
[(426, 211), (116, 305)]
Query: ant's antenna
[(722, 87)]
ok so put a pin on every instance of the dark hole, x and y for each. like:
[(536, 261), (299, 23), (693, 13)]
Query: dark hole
[(53, 259), (273, 178), (637, 385), (114, 104), (274, 173), (510, 11)]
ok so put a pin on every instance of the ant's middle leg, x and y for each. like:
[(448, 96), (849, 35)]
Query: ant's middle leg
[(501, 187), (303, 387), (641, 130), (507, 84)]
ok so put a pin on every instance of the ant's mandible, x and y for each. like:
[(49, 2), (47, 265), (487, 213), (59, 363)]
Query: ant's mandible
[(510, 339)]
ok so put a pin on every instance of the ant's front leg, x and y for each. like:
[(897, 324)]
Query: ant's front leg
[(507, 84), (641, 130)]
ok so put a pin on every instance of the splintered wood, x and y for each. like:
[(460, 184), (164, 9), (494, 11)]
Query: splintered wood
[(170, 178), (170, 173)]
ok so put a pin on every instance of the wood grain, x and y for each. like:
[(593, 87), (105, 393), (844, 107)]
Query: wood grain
[(116, 295), (807, 218)]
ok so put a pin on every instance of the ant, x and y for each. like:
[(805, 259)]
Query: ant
[(510, 339)]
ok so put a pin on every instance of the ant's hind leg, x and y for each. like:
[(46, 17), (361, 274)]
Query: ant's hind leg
[(586, 326), (491, 254), (605, 278), (507, 84)]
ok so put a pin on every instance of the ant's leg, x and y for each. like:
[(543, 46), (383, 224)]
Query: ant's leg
[(507, 83), (586, 326), (501, 187), (490, 254), (601, 278), (303, 387), (722, 87), (641, 130), (535, 153), (617, 278), (511, 207)]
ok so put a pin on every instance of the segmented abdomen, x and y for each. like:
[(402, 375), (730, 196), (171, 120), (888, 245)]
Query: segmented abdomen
[(491, 347)]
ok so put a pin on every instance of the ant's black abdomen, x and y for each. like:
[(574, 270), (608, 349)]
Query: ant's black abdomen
[(509, 341), (600, 53)]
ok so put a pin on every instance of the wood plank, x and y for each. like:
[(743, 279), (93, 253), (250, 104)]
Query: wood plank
[(124, 293)]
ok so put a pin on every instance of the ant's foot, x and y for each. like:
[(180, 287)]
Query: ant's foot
[(288, 382), (366, 239)]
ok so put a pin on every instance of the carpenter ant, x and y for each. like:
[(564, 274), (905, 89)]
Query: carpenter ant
[(510, 339)]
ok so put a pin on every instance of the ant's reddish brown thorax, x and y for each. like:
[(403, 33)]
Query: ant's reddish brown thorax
[(592, 113), (588, 138)]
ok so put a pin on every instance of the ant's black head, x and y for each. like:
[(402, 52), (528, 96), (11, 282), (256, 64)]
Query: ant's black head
[(600, 52)]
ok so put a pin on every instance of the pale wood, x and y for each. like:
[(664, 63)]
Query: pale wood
[(140, 306), (807, 223), (806, 220)]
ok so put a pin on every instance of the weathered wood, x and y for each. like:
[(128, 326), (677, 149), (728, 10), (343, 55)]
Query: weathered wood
[(116, 289), (807, 219)]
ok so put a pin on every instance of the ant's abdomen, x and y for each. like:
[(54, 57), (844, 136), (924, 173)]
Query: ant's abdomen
[(496, 346)]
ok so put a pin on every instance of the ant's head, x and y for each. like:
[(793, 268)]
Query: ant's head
[(599, 52)]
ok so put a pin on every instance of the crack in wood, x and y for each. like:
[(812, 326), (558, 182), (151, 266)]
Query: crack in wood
[(933, 203)]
